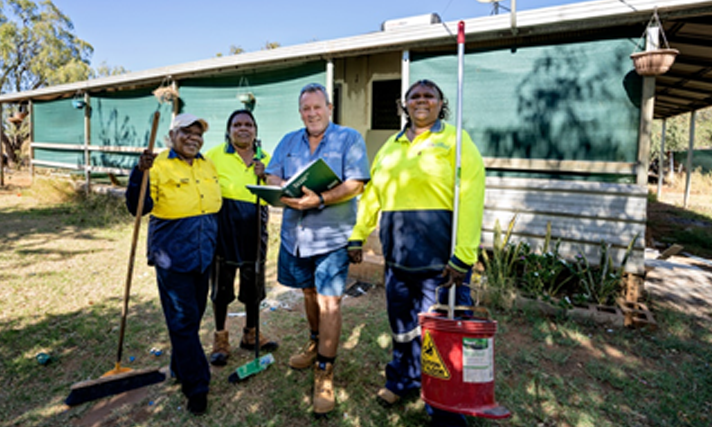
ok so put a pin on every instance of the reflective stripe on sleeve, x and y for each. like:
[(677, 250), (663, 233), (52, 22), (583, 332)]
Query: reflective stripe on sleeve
[(407, 336)]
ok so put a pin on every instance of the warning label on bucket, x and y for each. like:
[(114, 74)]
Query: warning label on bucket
[(477, 360), (432, 363)]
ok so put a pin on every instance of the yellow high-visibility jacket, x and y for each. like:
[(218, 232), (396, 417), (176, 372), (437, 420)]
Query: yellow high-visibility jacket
[(412, 187)]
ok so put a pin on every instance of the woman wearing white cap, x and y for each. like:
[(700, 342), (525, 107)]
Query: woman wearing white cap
[(183, 200)]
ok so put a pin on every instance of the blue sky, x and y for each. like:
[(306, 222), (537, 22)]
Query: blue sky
[(144, 34)]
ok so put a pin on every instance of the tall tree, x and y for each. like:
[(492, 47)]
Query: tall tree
[(106, 70), (38, 46)]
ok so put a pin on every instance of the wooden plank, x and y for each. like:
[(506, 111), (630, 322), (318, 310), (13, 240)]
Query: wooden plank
[(544, 165), (115, 171), (56, 146), (112, 149), (56, 164), (608, 206), (615, 234), (81, 147), (566, 186)]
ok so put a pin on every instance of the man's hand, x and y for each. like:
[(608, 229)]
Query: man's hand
[(454, 277), (355, 256), (145, 161), (310, 200)]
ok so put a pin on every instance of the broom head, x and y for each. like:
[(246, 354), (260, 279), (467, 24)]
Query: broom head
[(89, 390)]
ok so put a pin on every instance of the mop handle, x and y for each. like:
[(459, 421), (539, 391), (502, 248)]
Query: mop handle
[(134, 240), (258, 256), (456, 193)]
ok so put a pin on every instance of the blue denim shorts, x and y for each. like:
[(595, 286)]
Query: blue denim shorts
[(327, 272)]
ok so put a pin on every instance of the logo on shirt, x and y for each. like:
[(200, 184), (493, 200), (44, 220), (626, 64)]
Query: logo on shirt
[(442, 145)]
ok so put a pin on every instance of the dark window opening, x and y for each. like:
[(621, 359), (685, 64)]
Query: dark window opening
[(385, 95), (336, 102)]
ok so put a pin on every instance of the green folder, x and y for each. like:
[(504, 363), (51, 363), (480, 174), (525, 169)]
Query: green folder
[(316, 176)]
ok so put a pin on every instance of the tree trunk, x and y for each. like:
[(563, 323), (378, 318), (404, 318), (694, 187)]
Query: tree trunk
[(11, 150)]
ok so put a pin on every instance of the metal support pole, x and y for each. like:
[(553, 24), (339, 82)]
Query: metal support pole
[(87, 142), (405, 81), (31, 109), (2, 151), (176, 101), (330, 79), (690, 149), (661, 161)]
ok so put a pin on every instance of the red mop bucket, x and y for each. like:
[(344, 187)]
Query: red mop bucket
[(458, 365)]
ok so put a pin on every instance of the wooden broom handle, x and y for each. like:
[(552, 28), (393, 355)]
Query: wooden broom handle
[(134, 239)]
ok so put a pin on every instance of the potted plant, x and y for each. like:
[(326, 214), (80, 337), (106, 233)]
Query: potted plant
[(167, 91), (654, 62), (78, 102)]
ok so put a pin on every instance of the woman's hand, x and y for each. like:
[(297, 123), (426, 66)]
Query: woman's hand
[(260, 170), (355, 256), (454, 277), (145, 161)]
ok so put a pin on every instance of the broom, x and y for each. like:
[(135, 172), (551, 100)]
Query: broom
[(259, 364), (122, 379)]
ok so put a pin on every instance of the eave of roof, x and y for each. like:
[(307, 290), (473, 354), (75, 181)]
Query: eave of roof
[(569, 18)]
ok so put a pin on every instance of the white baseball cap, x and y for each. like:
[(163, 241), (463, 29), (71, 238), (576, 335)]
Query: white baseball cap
[(186, 119)]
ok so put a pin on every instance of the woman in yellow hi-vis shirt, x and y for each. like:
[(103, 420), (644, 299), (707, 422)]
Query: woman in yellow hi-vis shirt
[(412, 190), (183, 200), (239, 162)]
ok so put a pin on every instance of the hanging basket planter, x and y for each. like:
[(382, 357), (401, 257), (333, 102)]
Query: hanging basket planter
[(78, 101), (654, 62), (246, 98), (245, 95), (166, 92), (14, 119)]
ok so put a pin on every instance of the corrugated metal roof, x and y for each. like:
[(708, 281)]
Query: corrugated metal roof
[(687, 86)]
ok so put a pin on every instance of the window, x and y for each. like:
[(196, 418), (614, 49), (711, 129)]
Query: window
[(336, 102), (384, 108)]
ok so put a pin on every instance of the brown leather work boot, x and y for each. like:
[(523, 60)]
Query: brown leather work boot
[(306, 357), (221, 348), (323, 388), (248, 341)]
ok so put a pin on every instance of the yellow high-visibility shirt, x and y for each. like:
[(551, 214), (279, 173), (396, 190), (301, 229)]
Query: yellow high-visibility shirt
[(412, 189), (180, 190), (233, 173)]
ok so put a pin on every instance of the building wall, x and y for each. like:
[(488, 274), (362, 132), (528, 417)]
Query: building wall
[(356, 76)]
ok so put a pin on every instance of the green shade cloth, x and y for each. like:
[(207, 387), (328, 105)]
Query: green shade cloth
[(565, 102)]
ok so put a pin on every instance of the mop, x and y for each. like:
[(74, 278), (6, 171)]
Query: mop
[(259, 364)]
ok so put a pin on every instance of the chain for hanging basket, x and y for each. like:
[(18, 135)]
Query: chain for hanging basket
[(654, 62), (166, 92)]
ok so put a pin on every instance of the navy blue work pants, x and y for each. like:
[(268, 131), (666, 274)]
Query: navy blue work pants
[(183, 297), (407, 294)]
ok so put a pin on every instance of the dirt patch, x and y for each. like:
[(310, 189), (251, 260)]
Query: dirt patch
[(102, 411), (680, 283)]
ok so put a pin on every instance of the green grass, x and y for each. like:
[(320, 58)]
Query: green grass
[(63, 268)]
